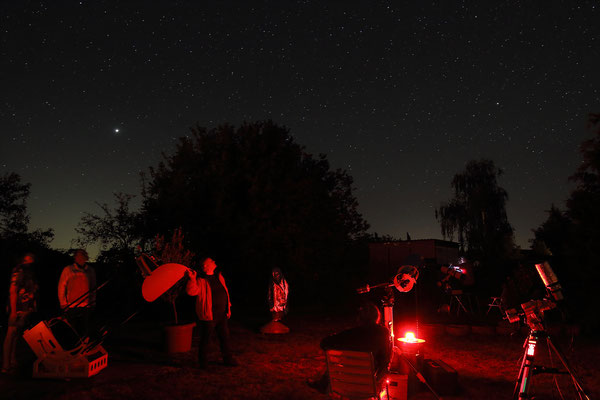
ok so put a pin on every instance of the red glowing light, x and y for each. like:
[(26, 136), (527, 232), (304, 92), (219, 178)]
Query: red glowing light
[(410, 337)]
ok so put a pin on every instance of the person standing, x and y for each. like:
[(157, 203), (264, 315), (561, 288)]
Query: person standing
[(278, 295), (21, 305), (213, 308), (76, 292)]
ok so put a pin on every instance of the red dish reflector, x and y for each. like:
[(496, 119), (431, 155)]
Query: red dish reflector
[(161, 280)]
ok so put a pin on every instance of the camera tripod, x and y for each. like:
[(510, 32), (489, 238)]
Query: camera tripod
[(529, 369)]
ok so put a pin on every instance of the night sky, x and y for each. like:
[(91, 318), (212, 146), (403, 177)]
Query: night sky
[(400, 94)]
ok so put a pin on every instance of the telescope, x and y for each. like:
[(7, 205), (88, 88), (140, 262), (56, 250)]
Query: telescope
[(403, 281), (62, 352), (533, 311), (453, 271)]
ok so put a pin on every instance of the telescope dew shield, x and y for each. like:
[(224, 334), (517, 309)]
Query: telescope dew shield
[(550, 280)]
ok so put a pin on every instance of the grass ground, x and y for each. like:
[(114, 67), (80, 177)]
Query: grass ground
[(277, 367)]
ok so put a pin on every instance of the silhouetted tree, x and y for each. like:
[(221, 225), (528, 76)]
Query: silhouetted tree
[(254, 199), (552, 236), (477, 213), (583, 209), (584, 203), (572, 236), (377, 238), (14, 218), (117, 228), (13, 204)]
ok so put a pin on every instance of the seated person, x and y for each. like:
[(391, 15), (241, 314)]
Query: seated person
[(368, 336)]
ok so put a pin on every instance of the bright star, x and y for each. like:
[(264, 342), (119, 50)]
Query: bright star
[(116, 130)]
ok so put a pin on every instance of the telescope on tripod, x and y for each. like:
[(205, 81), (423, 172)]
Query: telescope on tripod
[(533, 312), (404, 280)]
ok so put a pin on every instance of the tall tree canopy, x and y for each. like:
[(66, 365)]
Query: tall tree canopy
[(572, 236), (553, 235), (254, 199), (583, 209), (477, 212), (584, 203), (575, 233)]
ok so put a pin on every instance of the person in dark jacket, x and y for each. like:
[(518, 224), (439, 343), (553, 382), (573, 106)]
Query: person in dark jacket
[(369, 336), (21, 305), (213, 308)]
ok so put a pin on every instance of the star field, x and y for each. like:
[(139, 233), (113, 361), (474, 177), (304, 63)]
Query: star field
[(400, 95)]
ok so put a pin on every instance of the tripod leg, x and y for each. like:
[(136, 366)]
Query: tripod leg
[(518, 380), (520, 376), (526, 370), (417, 373), (578, 387), (526, 378), (462, 305)]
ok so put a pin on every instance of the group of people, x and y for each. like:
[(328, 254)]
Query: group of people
[(213, 309), (76, 296), (77, 299)]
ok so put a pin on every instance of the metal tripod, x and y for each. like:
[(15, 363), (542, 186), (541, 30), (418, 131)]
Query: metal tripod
[(529, 369)]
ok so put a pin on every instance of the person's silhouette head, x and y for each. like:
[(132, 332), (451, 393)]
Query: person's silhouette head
[(368, 313), (80, 257), (28, 258), (209, 266)]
